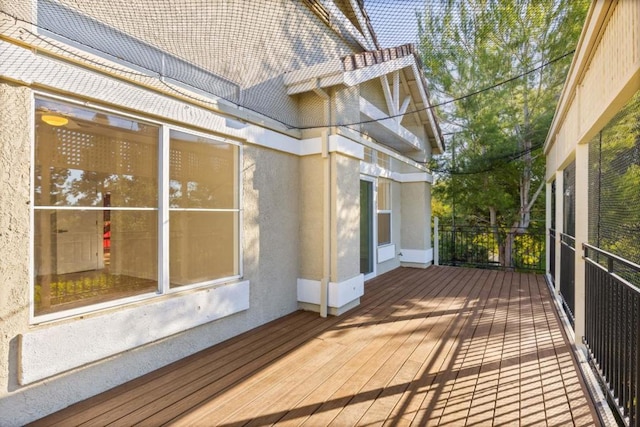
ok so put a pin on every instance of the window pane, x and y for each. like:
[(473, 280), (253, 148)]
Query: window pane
[(203, 172), (202, 246), (384, 161), (384, 228), (384, 195), (82, 155), (87, 257)]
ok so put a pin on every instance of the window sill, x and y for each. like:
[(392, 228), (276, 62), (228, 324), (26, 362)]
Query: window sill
[(44, 351)]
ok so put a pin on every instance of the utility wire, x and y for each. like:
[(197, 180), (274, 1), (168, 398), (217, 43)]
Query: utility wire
[(459, 98)]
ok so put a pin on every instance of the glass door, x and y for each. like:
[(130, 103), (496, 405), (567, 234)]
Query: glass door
[(366, 228)]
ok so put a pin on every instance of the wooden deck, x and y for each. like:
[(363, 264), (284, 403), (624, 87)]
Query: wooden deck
[(441, 346)]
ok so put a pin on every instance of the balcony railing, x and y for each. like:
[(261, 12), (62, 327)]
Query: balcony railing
[(567, 274), (612, 327), (485, 247)]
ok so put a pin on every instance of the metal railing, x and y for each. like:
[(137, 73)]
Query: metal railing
[(612, 327), (484, 247), (567, 274), (552, 254)]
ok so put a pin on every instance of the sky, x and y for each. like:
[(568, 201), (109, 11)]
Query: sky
[(394, 21)]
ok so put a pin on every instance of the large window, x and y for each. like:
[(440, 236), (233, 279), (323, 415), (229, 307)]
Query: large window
[(103, 208), (384, 212)]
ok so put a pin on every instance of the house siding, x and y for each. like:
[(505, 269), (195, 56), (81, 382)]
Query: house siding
[(281, 179)]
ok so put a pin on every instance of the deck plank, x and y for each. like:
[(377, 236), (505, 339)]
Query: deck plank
[(441, 346)]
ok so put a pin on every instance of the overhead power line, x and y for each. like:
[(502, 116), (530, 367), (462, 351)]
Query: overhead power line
[(459, 98)]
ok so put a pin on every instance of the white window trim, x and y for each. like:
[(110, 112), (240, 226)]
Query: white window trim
[(163, 289)]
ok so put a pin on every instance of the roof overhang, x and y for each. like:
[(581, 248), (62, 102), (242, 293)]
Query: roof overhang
[(358, 68)]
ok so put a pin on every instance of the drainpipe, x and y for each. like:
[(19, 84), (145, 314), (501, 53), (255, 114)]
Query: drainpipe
[(326, 205)]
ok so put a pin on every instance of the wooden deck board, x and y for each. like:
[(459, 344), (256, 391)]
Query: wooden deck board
[(441, 346)]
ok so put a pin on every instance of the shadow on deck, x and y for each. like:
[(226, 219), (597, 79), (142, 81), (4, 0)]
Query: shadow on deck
[(441, 346)]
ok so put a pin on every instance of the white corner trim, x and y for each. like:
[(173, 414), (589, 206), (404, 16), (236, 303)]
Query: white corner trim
[(416, 177), (340, 293), (60, 347), (343, 145), (418, 256), (372, 169), (385, 253), (337, 144), (310, 146)]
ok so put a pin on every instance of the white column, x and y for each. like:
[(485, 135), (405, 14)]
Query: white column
[(582, 235)]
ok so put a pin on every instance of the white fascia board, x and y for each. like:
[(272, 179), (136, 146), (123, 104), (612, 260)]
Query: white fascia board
[(326, 74), (362, 21), (370, 72), (374, 170), (426, 103), (416, 256), (338, 18), (57, 348), (416, 177), (370, 169), (373, 112), (337, 144), (317, 71)]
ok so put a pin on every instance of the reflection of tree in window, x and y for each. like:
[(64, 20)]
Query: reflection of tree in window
[(93, 162)]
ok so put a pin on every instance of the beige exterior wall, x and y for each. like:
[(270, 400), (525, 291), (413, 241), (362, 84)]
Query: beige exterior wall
[(15, 151), (258, 58), (282, 186), (345, 232), (604, 75), (271, 263), (311, 184), (416, 215)]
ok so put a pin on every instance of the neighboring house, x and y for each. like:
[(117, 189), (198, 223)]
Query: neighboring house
[(593, 196), (160, 195)]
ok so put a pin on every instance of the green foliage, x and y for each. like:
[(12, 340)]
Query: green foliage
[(495, 166)]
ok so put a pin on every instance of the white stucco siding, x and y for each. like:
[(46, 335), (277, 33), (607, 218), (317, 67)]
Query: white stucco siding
[(109, 347)]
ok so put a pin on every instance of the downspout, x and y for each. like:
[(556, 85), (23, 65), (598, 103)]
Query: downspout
[(326, 205)]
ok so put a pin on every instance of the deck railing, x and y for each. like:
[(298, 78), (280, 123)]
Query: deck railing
[(484, 247), (567, 274), (612, 327)]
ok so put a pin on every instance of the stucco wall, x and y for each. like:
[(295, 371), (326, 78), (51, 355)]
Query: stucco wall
[(598, 88), (14, 231), (270, 233), (258, 41), (311, 183), (416, 216), (345, 182)]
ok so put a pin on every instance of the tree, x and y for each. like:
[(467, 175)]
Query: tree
[(495, 172)]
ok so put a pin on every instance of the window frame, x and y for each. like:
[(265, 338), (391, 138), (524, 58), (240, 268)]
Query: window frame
[(163, 288)]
